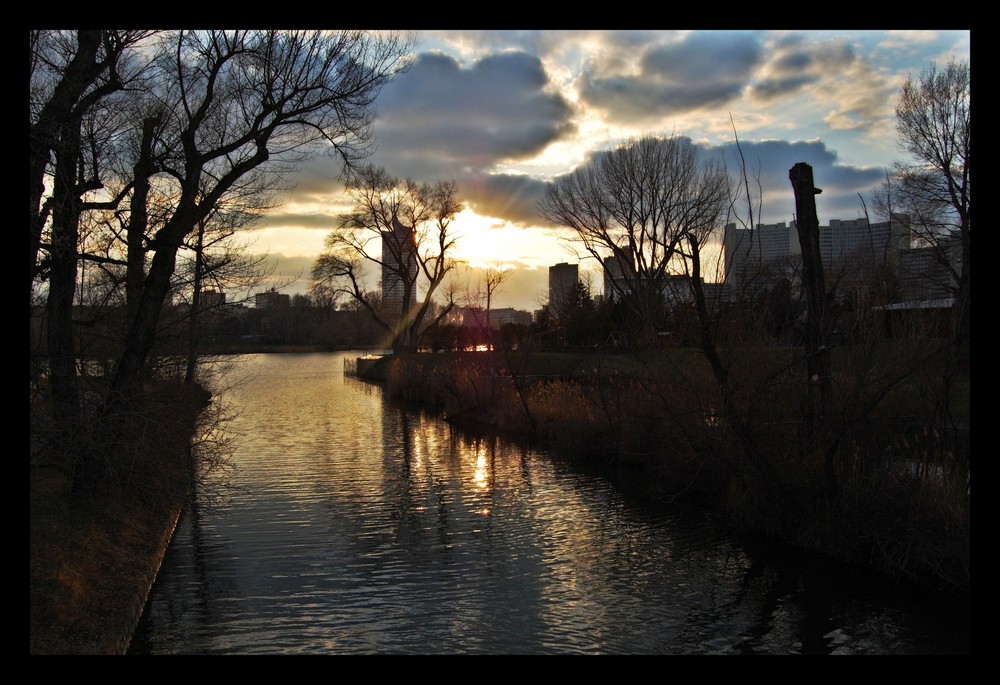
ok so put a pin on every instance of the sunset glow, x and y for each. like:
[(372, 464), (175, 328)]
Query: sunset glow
[(502, 113)]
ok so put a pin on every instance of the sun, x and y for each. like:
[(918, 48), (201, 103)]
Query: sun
[(489, 242)]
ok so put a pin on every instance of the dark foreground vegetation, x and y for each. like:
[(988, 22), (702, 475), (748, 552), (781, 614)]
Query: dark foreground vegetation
[(885, 483), (104, 499), (97, 536), (862, 453)]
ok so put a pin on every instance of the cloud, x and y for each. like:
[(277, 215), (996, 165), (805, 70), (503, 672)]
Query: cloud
[(285, 219), (831, 74), (316, 186), (291, 275), (504, 196), (440, 120), (795, 63), (770, 161), (703, 69)]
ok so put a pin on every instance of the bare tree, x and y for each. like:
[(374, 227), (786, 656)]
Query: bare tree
[(236, 102), (71, 73), (933, 190), (480, 297), (635, 208), (146, 134), (401, 229), (76, 80), (219, 261)]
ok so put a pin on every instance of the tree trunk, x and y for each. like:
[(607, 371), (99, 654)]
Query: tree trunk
[(62, 279), (43, 135), (195, 314), (142, 328), (135, 270), (819, 323)]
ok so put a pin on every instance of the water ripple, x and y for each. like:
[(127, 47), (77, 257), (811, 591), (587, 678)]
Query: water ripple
[(360, 526)]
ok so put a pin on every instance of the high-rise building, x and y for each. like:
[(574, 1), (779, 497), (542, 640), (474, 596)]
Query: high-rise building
[(563, 278), (399, 260), (860, 243), (271, 299), (927, 272), (614, 283), (748, 253), (849, 246)]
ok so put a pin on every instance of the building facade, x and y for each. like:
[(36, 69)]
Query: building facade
[(476, 317), (399, 267), (848, 248), (271, 299), (563, 278), (212, 298), (772, 248)]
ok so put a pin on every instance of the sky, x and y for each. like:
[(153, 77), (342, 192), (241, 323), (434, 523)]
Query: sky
[(503, 113)]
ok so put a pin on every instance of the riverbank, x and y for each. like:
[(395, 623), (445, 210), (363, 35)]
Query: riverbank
[(94, 555), (886, 486), (93, 558)]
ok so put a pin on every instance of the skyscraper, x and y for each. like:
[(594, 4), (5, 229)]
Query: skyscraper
[(851, 246), (563, 278), (399, 267), (749, 252)]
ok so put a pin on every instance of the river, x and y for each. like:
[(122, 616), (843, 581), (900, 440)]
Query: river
[(351, 524)]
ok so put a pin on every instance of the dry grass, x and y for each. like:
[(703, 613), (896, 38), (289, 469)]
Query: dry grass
[(93, 556), (661, 413)]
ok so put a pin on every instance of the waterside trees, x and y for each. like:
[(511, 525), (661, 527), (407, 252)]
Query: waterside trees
[(148, 134), (399, 229), (932, 188)]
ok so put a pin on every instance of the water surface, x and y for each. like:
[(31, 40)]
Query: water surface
[(355, 525)]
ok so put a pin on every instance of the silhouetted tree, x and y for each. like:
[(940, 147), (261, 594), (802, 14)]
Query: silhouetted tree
[(401, 229), (635, 209), (72, 78), (933, 190), (481, 296), (242, 101)]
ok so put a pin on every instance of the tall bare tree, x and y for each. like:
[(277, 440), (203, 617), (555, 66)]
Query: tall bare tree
[(481, 296), (634, 209), (237, 102), (218, 261), (401, 229), (159, 129), (76, 82), (933, 188)]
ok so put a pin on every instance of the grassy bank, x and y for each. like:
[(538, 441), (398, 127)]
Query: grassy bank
[(94, 551), (883, 483)]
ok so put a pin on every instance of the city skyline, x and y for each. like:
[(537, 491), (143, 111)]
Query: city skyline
[(504, 112)]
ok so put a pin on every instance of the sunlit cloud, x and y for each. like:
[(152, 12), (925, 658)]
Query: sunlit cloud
[(441, 118), (700, 70), (298, 220), (504, 112)]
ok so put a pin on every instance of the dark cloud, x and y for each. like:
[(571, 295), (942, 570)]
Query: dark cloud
[(793, 61), (703, 70), (770, 162), (316, 180), (291, 275), (722, 57), (795, 64), (441, 120), (511, 197), (279, 219), (773, 88)]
